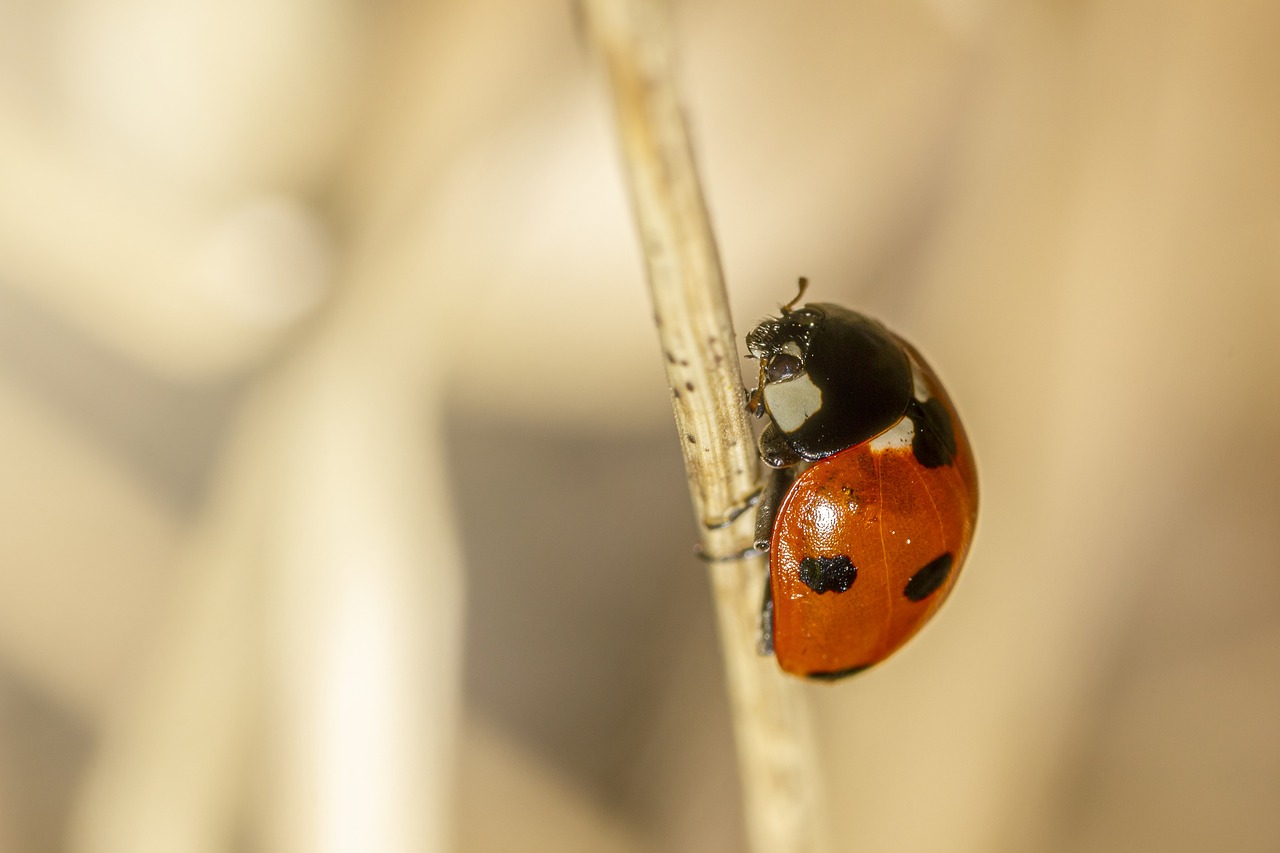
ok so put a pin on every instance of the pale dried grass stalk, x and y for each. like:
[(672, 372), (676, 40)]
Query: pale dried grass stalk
[(776, 758)]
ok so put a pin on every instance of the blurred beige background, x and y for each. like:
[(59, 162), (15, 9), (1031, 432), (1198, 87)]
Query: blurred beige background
[(341, 509)]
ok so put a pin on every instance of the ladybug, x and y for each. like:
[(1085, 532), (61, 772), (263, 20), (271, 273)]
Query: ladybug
[(871, 504)]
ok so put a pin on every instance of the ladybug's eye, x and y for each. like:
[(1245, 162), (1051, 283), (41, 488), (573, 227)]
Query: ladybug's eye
[(781, 367)]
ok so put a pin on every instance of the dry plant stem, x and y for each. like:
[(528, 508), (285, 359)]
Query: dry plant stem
[(779, 773)]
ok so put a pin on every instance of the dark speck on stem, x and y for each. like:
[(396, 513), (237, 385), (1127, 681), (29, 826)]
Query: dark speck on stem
[(688, 386)]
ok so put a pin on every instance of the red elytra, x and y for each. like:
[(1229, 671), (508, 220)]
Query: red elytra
[(905, 528)]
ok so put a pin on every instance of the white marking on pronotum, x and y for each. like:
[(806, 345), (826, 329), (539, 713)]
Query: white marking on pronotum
[(792, 402), (897, 436), (919, 384)]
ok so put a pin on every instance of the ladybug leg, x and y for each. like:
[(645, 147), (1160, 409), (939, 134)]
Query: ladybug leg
[(774, 449), (764, 643), (775, 489)]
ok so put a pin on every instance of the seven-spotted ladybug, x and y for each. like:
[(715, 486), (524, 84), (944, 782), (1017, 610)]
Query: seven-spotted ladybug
[(872, 502)]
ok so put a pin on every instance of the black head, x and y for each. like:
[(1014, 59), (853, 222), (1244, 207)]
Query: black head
[(830, 378)]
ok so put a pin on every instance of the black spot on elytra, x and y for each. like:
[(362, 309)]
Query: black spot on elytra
[(934, 442), (926, 581), (838, 674), (828, 574)]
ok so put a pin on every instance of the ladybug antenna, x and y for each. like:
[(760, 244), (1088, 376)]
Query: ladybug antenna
[(804, 285)]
